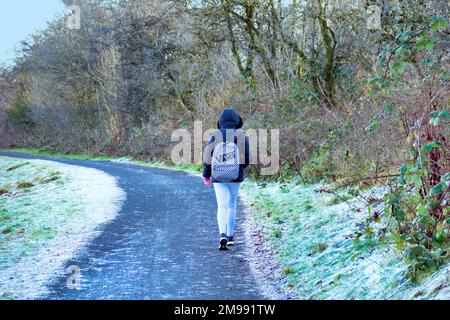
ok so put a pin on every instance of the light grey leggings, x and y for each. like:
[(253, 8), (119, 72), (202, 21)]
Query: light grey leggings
[(226, 195)]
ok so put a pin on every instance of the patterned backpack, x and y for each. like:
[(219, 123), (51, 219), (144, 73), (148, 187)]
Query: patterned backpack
[(225, 162)]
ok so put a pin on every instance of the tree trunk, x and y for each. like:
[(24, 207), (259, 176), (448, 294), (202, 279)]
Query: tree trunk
[(329, 42)]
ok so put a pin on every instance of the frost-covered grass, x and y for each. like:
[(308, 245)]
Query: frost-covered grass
[(47, 212), (313, 237)]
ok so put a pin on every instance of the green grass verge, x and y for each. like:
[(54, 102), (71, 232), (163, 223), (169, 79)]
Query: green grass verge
[(46, 153), (192, 168)]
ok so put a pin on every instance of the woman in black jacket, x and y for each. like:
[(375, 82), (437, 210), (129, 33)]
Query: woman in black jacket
[(226, 156)]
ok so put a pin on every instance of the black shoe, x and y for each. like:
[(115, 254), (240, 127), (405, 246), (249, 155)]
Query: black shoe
[(230, 241), (223, 243)]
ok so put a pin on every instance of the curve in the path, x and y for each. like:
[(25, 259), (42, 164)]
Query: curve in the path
[(162, 244)]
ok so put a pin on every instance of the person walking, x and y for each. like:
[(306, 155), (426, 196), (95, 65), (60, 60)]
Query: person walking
[(226, 155)]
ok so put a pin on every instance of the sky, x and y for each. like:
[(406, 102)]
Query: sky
[(20, 18)]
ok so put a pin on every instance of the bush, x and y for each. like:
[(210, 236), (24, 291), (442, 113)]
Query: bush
[(19, 114)]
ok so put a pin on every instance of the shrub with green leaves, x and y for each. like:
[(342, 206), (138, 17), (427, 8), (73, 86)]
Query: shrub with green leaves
[(419, 195)]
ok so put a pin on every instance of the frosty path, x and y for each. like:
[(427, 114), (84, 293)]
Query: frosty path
[(162, 245)]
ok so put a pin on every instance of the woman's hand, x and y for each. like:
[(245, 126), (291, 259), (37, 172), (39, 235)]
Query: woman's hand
[(207, 181)]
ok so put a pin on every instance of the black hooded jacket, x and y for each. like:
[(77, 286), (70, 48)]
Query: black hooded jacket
[(229, 124)]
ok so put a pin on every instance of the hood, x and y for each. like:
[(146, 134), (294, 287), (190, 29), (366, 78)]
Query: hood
[(229, 119)]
